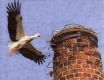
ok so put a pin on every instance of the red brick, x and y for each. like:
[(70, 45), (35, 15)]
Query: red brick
[(79, 61), (82, 57), (87, 74), (77, 66), (63, 78), (90, 71), (98, 72), (82, 70), (100, 78), (76, 52), (63, 69), (94, 76), (85, 66), (70, 76), (74, 70), (78, 74), (73, 61), (65, 54), (65, 72), (59, 75), (83, 78)]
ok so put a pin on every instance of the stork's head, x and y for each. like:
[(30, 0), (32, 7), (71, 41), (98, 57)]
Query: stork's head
[(37, 35)]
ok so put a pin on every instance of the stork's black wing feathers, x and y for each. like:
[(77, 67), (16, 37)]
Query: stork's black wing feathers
[(32, 53), (14, 9), (14, 21)]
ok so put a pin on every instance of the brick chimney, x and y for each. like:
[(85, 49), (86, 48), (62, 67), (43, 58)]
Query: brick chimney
[(76, 55)]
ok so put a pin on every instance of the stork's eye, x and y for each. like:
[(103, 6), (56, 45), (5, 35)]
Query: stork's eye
[(21, 18)]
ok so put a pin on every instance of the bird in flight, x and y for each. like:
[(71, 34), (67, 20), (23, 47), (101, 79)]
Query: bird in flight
[(20, 41)]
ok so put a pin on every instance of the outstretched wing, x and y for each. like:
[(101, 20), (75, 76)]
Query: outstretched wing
[(15, 27), (32, 53)]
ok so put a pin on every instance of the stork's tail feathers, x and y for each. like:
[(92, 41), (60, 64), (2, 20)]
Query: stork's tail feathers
[(10, 43), (11, 49)]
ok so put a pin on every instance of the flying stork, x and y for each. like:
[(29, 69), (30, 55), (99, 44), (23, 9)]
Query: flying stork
[(20, 41)]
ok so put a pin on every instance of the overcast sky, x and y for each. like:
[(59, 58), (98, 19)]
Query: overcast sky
[(45, 16)]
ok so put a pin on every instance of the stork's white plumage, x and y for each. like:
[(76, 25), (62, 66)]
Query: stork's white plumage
[(15, 46)]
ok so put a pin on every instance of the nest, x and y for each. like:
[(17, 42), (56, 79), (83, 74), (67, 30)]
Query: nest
[(69, 30)]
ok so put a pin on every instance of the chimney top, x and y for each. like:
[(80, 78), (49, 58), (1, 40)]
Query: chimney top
[(71, 29)]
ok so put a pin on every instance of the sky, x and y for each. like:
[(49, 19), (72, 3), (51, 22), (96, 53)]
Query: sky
[(45, 16)]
